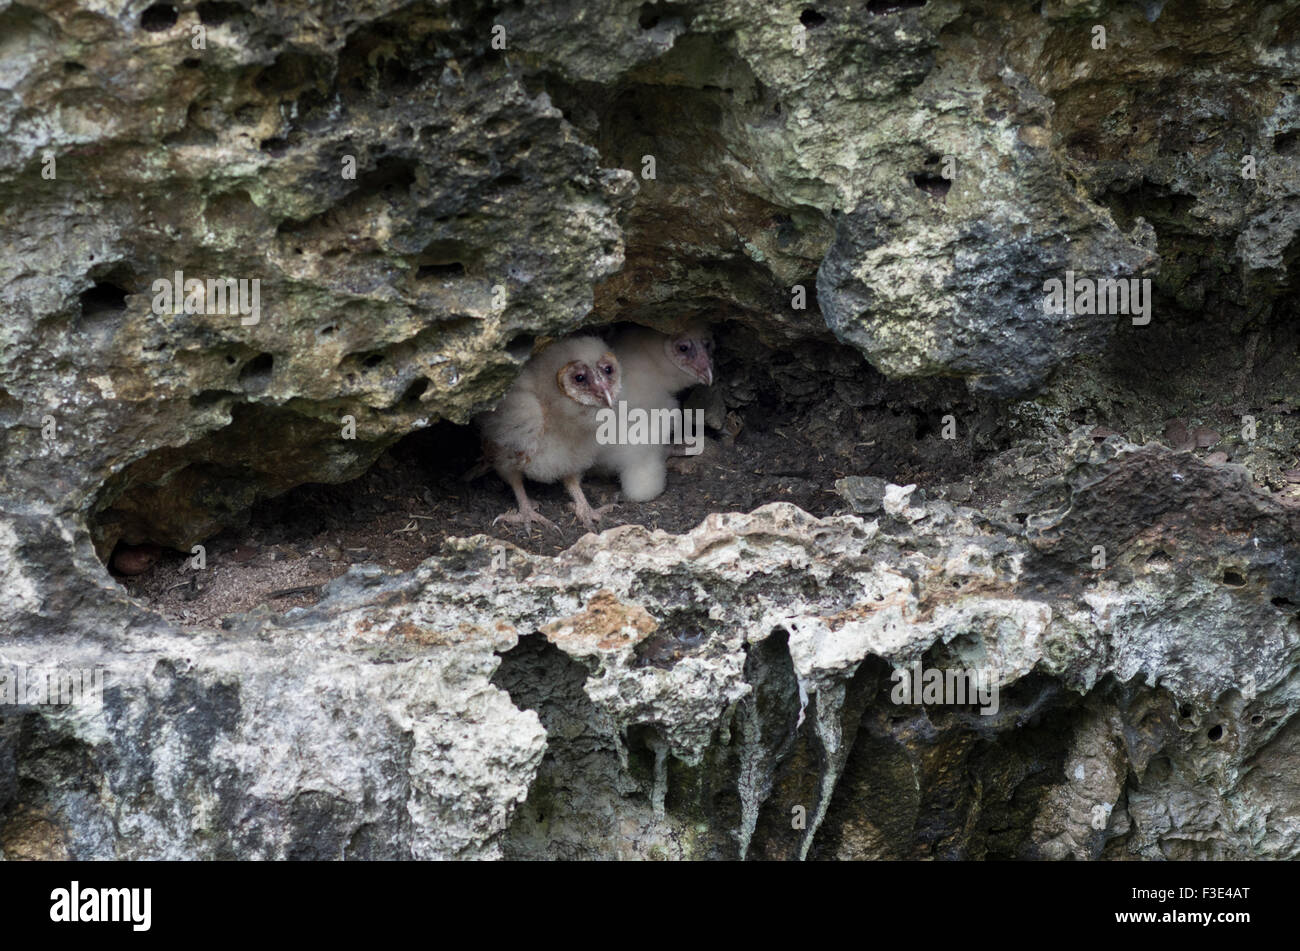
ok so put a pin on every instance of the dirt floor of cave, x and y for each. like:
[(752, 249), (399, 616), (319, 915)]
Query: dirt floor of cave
[(414, 497)]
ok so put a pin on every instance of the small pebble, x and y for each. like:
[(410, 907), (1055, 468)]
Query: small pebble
[(1178, 437), (1205, 437), (135, 559)]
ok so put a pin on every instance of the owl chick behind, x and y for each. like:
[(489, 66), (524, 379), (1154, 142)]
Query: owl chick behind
[(656, 367)]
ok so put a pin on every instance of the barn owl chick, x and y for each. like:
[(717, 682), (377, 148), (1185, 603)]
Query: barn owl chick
[(656, 367), (544, 427)]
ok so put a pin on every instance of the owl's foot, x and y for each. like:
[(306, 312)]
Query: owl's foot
[(525, 517)]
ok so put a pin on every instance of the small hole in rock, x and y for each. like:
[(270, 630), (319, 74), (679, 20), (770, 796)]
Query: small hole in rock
[(415, 391), (1257, 719), (811, 18), (668, 14), (1185, 711), (521, 347), (1233, 579), (159, 17), (931, 184), (453, 269), (103, 298), (73, 67), (1215, 733), (373, 360), (256, 374)]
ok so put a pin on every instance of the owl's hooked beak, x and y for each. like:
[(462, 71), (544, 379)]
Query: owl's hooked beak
[(606, 390), (700, 365)]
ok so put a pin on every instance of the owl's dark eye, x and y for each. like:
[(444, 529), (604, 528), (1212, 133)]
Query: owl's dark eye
[(609, 370), (580, 378), (683, 348)]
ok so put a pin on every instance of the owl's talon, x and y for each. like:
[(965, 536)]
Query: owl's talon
[(526, 519)]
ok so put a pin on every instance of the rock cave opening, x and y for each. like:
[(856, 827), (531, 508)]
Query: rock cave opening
[(773, 421)]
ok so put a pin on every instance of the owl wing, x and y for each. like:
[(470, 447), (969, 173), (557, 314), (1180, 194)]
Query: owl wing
[(512, 433)]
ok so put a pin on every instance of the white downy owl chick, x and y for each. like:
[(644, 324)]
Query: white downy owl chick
[(656, 367), (544, 427)]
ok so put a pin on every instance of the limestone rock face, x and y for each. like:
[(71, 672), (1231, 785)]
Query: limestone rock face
[(423, 193), (691, 691)]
